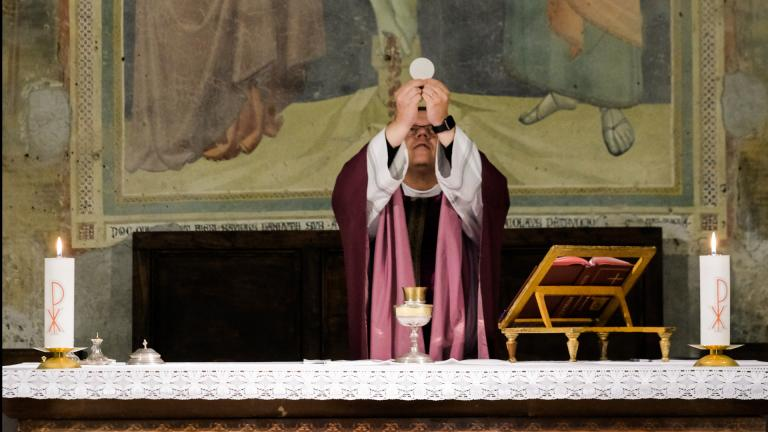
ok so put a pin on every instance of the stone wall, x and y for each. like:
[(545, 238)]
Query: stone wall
[(36, 129), (745, 115)]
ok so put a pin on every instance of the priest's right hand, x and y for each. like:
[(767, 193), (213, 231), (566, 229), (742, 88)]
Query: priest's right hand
[(407, 99)]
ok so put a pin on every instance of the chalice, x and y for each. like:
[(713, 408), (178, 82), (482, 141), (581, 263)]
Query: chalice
[(414, 313)]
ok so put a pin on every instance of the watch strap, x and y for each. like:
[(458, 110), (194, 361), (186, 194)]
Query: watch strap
[(447, 124)]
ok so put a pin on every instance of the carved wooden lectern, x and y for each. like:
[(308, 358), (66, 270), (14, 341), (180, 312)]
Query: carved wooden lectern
[(566, 293)]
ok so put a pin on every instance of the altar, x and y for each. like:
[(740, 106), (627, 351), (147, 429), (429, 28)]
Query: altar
[(369, 395), (219, 377)]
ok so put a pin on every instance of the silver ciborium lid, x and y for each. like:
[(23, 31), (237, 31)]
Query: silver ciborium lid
[(145, 356)]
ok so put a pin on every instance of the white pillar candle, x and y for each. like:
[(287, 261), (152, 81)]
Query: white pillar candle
[(59, 297), (715, 297)]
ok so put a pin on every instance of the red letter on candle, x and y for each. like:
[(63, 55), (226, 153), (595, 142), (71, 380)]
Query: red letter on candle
[(53, 312), (721, 293)]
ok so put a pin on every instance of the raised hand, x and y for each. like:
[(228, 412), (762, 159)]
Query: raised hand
[(407, 99), (437, 97)]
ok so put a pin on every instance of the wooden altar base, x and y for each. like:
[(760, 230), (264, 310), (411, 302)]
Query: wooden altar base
[(112, 409), (720, 424)]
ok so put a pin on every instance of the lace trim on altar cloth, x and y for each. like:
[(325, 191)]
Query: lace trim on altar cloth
[(472, 380)]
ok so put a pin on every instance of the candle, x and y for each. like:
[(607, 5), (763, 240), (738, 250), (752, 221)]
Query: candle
[(715, 297), (59, 307)]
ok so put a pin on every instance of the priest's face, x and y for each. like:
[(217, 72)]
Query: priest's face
[(421, 142)]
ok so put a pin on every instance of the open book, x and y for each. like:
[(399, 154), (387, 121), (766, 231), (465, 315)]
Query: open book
[(572, 270)]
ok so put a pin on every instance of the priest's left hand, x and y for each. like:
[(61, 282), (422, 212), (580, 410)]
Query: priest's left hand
[(437, 98)]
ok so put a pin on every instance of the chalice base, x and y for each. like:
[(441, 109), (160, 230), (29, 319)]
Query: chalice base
[(414, 357), (415, 316)]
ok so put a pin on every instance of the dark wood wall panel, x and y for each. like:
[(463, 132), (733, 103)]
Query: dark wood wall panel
[(243, 300), (239, 296), (280, 296), (334, 301)]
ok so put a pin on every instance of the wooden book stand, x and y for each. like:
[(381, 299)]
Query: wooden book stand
[(594, 303)]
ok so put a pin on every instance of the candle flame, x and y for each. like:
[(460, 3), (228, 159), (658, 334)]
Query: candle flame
[(713, 243), (58, 246)]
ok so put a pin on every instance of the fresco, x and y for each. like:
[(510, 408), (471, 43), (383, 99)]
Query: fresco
[(250, 100)]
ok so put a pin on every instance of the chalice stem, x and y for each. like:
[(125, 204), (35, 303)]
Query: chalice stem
[(414, 340)]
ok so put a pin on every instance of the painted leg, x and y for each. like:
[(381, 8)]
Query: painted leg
[(551, 104)]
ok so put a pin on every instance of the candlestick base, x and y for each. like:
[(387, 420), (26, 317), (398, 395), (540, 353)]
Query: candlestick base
[(715, 358), (60, 359)]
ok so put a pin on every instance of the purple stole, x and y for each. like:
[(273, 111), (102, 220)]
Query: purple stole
[(393, 269), (349, 207)]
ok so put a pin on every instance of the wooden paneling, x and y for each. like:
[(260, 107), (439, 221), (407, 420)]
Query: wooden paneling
[(243, 300), (270, 296), (20, 355), (239, 296)]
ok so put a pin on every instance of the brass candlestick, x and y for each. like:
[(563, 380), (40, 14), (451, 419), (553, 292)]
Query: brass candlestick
[(715, 358), (414, 313), (60, 360)]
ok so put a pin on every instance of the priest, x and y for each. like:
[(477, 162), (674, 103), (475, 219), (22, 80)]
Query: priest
[(420, 205)]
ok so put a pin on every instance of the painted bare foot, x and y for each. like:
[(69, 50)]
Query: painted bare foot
[(269, 124), (225, 148), (272, 124), (618, 134), (251, 122), (275, 101), (551, 104), (256, 119)]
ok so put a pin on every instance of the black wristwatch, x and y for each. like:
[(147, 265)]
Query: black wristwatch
[(446, 125)]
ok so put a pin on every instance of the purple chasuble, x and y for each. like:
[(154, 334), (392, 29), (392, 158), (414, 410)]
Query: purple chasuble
[(457, 264)]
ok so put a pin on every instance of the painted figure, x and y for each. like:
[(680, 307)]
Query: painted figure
[(586, 51), (210, 79)]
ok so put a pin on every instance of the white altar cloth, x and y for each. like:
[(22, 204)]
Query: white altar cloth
[(373, 380)]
